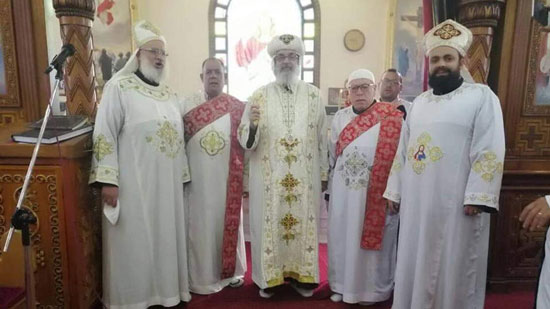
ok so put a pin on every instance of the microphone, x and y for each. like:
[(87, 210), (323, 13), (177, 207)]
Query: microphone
[(57, 62)]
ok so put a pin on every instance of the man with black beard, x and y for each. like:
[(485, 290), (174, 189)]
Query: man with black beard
[(446, 176)]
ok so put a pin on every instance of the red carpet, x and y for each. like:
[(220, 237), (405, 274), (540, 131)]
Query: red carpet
[(247, 295), (10, 296)]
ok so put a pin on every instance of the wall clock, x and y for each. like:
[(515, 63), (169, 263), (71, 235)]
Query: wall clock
[(354, 40)]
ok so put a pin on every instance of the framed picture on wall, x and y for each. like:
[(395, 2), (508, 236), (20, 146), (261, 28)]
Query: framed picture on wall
[(113, 38), (538, 71), (406, 44), (336, 96), (331, 110), (9, 85)]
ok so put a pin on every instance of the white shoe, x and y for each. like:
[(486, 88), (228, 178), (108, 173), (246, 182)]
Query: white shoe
[(236, 283), (265, 294), (366, 303), (302, 291), (336, 297)]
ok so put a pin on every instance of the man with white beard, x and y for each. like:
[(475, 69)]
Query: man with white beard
[(284, 128), (362, 235), (139, 163)]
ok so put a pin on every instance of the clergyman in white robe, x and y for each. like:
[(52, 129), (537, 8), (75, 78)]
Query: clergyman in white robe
[(208, 152), (451, 154), (357, 274), (139, 147), (447, 175), (288, 162)]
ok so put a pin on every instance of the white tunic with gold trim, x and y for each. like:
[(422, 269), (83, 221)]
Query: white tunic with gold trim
[(451, 154), (288, 160), (139, 146)]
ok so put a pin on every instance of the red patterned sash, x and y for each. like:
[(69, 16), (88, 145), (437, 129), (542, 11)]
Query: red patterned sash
[(390, 120), (198, 118)]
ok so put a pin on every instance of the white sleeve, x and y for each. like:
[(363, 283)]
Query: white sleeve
[(393, 186), (486, 154), (108, 123), (244, 128), (322, 132)]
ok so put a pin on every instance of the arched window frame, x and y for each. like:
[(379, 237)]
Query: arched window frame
[(221, 22)]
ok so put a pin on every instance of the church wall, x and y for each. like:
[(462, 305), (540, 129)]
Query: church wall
[(184, 23), (185, 26), (338, 17)]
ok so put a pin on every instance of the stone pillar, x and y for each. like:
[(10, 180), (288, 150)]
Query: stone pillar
[(76, 18), (481, 17)]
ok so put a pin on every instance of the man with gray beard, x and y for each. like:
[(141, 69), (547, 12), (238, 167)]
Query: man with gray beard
[(139, 163), (284, 127)]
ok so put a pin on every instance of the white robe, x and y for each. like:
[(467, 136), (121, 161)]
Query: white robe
[(451, 154), (139, 146), (543, 294), (288, 160), (208, 154), (359, 275)]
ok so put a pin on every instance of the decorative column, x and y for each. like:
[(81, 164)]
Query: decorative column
[(75, 19), (481, 17)]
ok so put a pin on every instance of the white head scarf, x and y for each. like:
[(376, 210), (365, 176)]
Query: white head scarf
[(283, 42), (144, 32), (360, 73)]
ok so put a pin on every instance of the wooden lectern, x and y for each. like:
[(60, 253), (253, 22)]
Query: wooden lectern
[(66, 242)]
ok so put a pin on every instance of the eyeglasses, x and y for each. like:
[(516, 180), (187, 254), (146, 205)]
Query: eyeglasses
[(291, 57), (363, 87), (156, 51), (392, 82)]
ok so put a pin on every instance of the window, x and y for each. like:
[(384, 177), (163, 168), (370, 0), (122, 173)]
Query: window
[(241, 29)]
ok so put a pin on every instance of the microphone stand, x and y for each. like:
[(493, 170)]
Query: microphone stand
[(23, 217)]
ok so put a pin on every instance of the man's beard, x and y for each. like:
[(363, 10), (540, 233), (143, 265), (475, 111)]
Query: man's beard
[(287, 77), (151, 73), (445, 83)]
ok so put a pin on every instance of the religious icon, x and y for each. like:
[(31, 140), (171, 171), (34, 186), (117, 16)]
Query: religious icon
[(408, 56), (336, 96), (542, 92), (112, 32), (420, 155)]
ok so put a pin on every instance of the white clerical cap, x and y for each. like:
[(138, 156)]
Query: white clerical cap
[(360, 73), (448, 33), (285, 42), (144, 32)]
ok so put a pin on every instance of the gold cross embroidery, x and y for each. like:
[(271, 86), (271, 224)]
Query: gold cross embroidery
[(289, 182), (288, 222), (447, 32), (286, 38)]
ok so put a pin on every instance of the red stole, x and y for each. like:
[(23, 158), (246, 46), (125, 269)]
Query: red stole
[(390, 120), (195, 120)]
